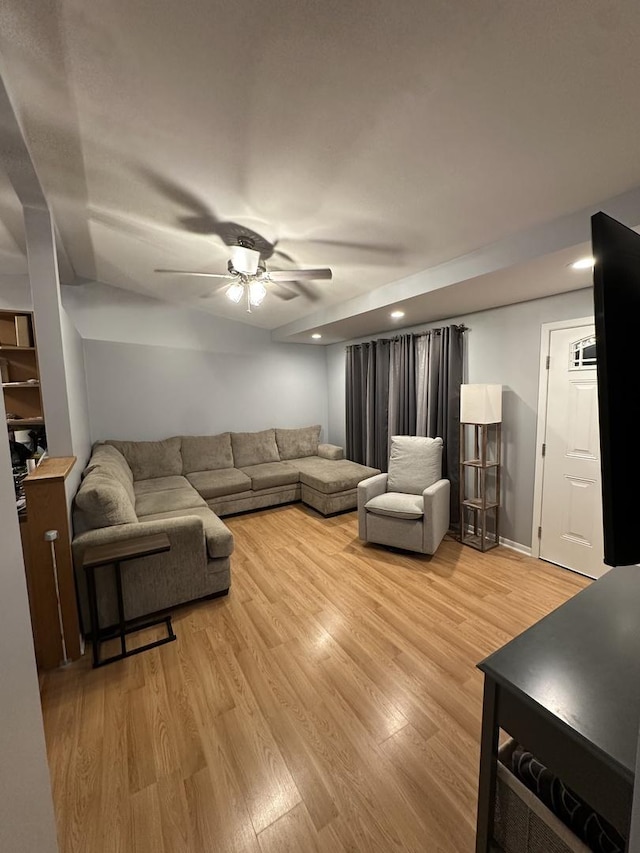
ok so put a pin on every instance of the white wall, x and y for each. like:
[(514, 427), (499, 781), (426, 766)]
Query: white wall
[(26, 808), (502, 346), (76, 380), (15, 293), (155, 370)]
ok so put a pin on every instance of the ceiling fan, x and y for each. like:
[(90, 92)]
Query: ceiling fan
[(248, 276)]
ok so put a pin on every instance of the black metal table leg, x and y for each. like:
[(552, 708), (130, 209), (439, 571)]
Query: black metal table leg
[(121, 620), (488, 766), (93, 613)]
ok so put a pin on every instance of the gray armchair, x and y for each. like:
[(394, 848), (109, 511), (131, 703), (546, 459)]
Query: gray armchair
[(408, 507)]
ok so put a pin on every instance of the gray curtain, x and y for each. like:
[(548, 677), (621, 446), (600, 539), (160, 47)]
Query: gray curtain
[(402, 387), (406, 386), (367, 399)]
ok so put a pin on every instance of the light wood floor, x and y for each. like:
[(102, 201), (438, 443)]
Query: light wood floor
[(330, 703)]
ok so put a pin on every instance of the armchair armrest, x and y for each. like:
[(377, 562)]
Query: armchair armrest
[(330, 451), (367, 489), (436, 514)]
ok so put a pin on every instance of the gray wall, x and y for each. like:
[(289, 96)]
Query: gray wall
[(144, 392), (502, 347), (154, 370), (26, 808)]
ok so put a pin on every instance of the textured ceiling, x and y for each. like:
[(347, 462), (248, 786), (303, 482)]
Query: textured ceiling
[(379, 139)]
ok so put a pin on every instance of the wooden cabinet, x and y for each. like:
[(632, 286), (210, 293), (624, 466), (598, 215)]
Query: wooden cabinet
[(19, 371), (47, 510)]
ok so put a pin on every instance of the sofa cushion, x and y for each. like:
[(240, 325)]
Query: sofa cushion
[(217, 535), (253, 448), (271, 474), (415, 463), (329, 476), (148, 459), (330, 451), (160, 484), (110, 462), (104, 502), (212, 484), (167, 501), (397, 505), (107, 454), (298, 443), (206, 452)]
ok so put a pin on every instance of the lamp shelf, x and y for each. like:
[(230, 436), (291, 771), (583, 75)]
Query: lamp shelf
[(478, 463), (479, 504)]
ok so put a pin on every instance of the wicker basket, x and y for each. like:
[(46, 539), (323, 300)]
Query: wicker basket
[(523, 824)]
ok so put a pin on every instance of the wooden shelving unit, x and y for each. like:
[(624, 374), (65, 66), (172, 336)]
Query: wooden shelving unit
[(19, 373), (480, 485)]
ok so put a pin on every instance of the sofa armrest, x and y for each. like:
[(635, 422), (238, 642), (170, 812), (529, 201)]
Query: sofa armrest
[(330, 451), (177, 529), (188, 553), (436, 514), (367, 489)]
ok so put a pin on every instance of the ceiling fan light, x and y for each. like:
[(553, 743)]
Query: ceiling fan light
[(235, 292), (257, 292), (245, 260)]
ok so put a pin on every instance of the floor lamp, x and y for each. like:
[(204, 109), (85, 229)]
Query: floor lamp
[(480, 452)]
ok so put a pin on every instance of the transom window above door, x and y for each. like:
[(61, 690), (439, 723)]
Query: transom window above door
[(583, 354)]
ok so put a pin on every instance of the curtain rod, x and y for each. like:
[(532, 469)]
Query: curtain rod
[(459, 328)]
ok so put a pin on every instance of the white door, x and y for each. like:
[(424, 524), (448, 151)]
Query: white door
[(571, 518)]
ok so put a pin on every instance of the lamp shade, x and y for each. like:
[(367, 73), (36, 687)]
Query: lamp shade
[(481, 404)]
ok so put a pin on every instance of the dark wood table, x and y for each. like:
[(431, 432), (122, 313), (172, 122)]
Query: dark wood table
[(568, 690), (114, 555)]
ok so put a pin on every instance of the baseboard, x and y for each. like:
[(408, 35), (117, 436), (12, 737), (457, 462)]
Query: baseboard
[(516, 546), (508, 543)]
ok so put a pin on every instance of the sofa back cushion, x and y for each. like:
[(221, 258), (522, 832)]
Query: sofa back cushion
[(106, 460), (149, 459), (415, 463), (253, 448), (104, 502), (206, 452), (297, 443)]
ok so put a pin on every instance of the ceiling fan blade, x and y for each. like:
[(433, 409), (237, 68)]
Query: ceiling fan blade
[(285, 292), (297, 275), (308, 291), (193, 273)]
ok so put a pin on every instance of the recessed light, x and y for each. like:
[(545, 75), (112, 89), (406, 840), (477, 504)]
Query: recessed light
[(583, 264), (316, 336), (397, 314)]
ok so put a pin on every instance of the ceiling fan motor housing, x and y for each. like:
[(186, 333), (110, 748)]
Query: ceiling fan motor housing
[(245, 260)]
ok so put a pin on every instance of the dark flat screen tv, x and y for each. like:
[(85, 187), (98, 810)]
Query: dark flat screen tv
[(616, 279)]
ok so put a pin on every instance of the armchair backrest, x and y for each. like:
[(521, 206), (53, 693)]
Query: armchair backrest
[(415, 463)]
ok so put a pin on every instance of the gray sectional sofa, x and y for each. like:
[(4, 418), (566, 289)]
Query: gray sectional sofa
[(181, 486)]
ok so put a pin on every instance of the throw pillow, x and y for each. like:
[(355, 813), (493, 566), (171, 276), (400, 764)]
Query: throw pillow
[(415, 463)]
